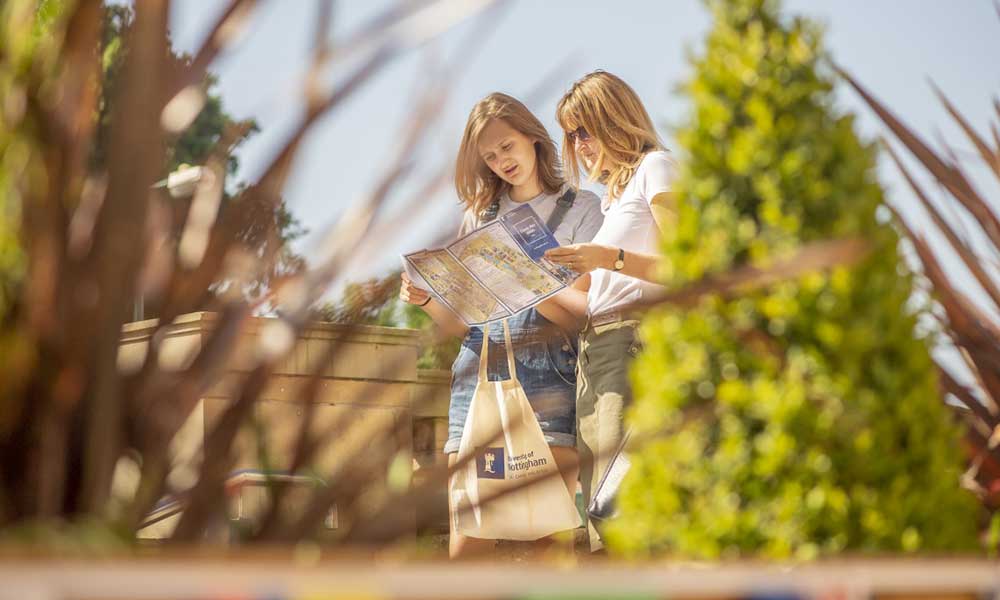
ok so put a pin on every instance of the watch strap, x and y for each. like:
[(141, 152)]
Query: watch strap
[(620, 262)]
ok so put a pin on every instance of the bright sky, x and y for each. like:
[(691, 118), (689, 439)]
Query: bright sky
[(892, 46)]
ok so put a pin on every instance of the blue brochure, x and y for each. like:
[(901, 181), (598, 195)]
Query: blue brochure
[(535, 238)]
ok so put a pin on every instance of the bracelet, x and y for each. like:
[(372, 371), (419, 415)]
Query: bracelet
[(425, 301)]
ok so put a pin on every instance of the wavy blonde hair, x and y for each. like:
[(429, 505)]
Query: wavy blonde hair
[(613, 115), (475, 183)]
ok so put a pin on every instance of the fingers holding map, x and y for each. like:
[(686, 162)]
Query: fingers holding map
[(455, 287)]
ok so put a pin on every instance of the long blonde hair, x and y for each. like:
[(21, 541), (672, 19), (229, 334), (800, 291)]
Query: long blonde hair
[(475, 183), (612, 113)]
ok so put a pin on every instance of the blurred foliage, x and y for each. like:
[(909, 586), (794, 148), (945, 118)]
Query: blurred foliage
[(369, 302), (376, 302), (196, 143), (435, 355), (193, 147), (969, 332), (16, 149), (805, 420), (87, 442)]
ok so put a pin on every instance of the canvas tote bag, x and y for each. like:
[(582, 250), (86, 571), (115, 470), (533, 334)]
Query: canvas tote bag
[(504, 437)]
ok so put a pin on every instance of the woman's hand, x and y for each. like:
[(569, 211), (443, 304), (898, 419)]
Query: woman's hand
[(442, 316), (583, 258), (410, 293)]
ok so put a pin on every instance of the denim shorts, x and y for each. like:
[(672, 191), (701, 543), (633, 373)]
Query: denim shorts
[(545, 361)]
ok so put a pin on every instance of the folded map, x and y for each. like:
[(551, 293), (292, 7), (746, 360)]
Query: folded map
[(493, 272)]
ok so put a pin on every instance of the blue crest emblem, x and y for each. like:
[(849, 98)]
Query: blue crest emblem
[(490, 463)]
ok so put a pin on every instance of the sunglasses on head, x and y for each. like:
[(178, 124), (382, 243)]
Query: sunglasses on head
[(578, 133)]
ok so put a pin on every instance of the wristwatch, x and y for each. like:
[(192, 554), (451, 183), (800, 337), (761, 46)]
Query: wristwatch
[(620, 263)]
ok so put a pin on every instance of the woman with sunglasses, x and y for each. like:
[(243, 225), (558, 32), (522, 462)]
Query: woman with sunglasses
[(609, 133), (507, 159)]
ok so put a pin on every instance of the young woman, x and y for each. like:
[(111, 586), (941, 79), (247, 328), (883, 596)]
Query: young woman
[(507, 159), (609, 133)]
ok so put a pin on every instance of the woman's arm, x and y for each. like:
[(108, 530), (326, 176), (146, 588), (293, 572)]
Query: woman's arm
[(584, 258), (442, 316), (551, 309), (588, 257), (568, 307)]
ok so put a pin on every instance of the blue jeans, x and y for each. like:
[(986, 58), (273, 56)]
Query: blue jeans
[(545, 361)]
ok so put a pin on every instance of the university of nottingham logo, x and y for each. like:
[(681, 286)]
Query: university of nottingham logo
[(490, 463)]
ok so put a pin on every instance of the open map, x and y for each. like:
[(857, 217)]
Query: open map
[(493, 272)]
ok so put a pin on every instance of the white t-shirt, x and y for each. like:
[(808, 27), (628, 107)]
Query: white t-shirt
[(579, 224), (629, 224)]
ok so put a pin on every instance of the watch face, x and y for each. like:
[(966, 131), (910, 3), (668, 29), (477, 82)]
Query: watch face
[(619, 264)]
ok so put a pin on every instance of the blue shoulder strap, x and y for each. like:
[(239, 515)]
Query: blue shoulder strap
[(563, 204)]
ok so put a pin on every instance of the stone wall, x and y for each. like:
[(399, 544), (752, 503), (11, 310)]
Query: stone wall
[(372, 386)]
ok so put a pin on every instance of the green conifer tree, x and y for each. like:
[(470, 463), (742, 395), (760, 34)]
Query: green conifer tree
[(804, 420)]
